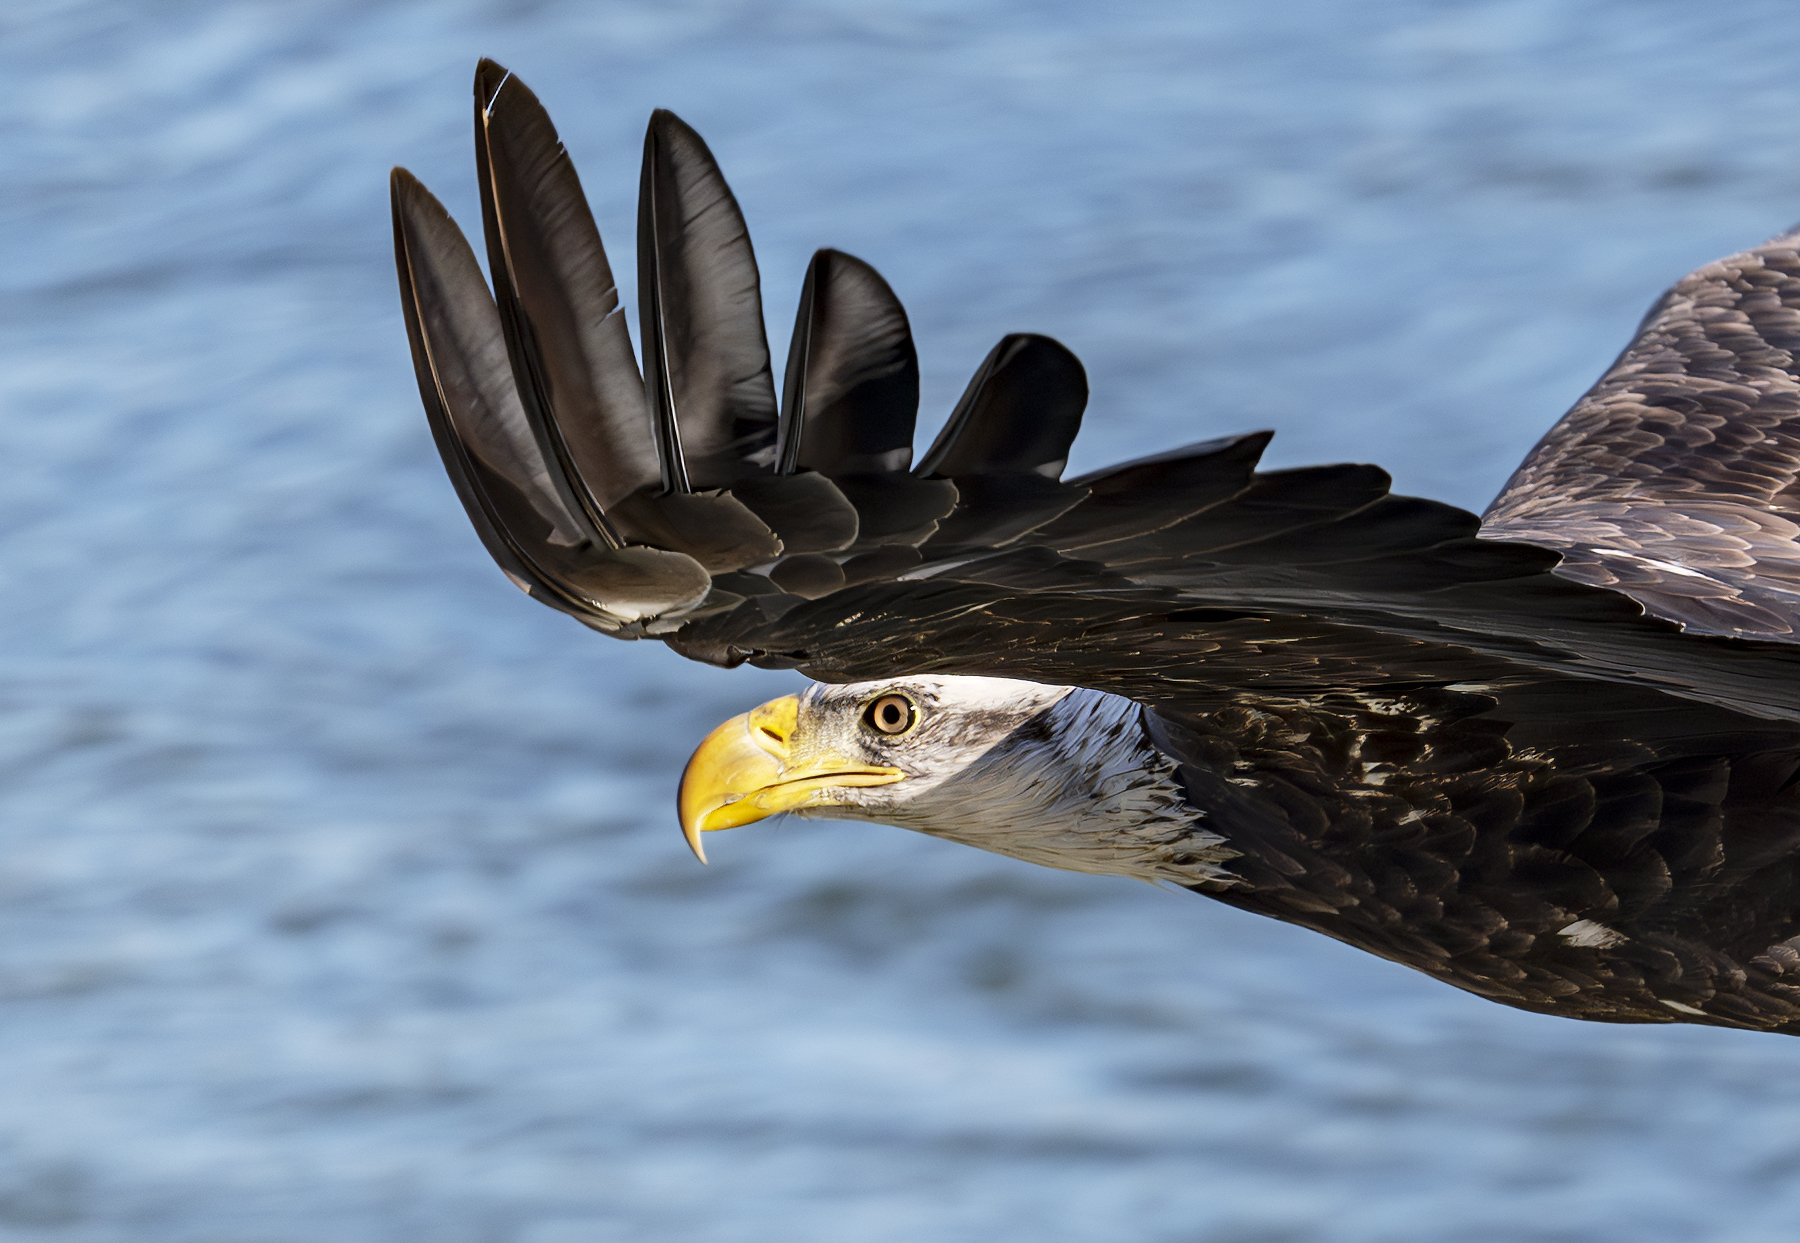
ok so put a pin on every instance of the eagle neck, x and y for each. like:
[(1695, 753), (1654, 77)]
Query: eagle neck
[(1082, 787)]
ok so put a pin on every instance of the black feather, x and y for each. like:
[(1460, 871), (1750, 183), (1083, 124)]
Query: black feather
[(851, 393), (492, 457), (1138, 497), (706, 356), (578, 381), (1020, 413), (808, 511)]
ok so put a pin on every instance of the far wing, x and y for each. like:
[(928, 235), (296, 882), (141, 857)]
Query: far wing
[(1673, 480), (803, 540)]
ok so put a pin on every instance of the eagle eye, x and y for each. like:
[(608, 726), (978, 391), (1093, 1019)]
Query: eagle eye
[(891, 715)]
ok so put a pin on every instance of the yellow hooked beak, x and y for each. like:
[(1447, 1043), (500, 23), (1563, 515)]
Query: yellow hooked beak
[(744, 772)]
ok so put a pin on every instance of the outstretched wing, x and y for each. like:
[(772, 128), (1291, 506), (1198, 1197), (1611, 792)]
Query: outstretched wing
[(1673, 480), (1187, 577)]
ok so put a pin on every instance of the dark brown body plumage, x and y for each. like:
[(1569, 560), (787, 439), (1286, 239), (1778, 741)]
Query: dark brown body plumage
[(1432, 830), (1548, 756)]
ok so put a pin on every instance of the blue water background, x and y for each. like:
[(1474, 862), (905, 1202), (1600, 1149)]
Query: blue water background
[(340, 893)]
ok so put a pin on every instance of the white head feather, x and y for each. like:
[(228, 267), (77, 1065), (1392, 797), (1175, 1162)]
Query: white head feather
[(1057, 775)]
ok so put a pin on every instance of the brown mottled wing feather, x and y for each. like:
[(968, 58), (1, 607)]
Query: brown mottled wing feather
[(1673, 479)]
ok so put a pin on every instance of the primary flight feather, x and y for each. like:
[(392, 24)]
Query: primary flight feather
[(1551, 755)]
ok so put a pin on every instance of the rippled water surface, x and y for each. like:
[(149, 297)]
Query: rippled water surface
[(340, 894)]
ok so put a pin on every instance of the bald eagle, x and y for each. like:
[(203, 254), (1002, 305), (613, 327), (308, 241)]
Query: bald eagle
[(1550, 755)]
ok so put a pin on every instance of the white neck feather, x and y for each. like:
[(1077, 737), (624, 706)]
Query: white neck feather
[(1079, 786)]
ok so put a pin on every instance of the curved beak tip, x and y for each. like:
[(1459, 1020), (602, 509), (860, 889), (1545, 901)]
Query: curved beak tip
[(745, 771), (740, 757)]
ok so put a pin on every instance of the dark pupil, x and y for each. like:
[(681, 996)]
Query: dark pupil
[(890, 716)]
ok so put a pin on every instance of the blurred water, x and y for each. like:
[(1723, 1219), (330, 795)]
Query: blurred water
[(340, 895)]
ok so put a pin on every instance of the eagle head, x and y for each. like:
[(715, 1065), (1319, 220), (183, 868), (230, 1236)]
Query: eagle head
[(1058, 775)]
